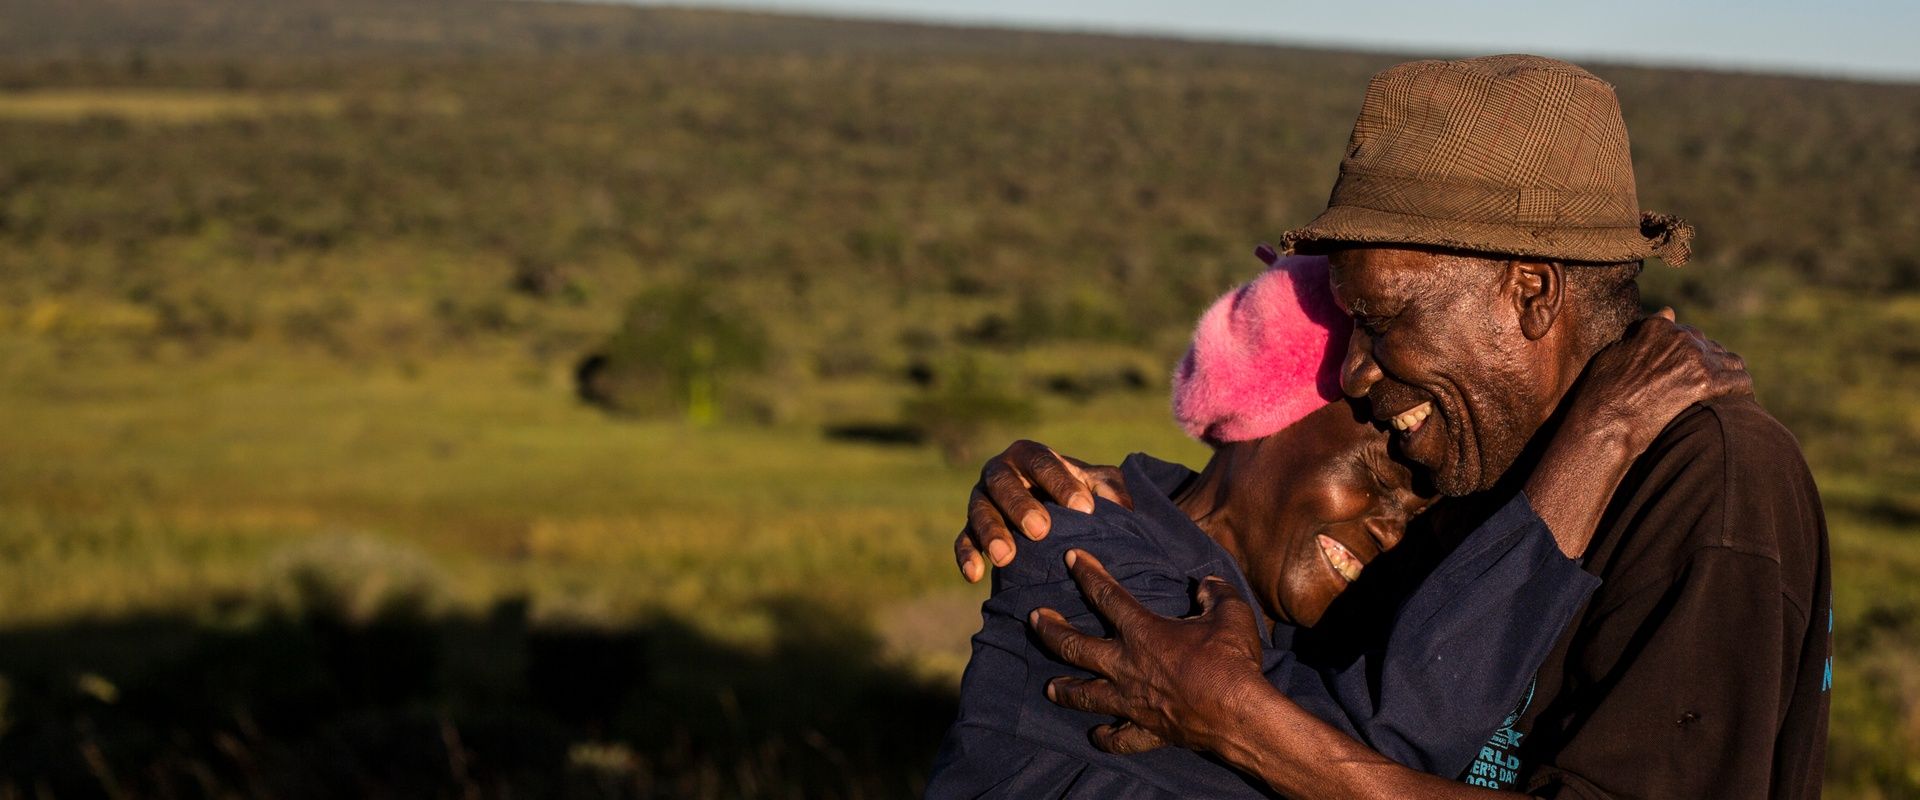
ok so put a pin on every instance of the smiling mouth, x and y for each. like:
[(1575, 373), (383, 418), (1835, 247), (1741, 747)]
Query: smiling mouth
[(1410, 420), (1341, 559)]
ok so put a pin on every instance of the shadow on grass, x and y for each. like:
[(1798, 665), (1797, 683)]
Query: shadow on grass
[(461, 708), (879, 433)]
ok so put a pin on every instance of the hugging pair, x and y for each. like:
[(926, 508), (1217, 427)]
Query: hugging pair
[(1303, 493), (1625, 593)]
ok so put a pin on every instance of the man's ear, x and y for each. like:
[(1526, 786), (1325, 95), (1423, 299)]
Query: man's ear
[(1537, 288)]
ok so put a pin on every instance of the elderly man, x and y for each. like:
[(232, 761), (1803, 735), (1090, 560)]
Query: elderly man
[(1485, 237)]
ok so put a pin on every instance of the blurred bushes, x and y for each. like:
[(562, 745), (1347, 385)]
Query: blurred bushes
[(962, 404), (676, 349), (354, 581)]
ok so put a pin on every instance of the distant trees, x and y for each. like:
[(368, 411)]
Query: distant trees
[(1089, 194)]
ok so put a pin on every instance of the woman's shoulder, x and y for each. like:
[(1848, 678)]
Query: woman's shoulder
[(1116, 534)]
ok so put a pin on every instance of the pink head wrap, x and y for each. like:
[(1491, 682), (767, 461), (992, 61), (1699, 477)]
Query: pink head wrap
[(1265, 355)]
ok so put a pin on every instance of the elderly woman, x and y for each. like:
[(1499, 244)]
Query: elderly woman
[(1302, 494)]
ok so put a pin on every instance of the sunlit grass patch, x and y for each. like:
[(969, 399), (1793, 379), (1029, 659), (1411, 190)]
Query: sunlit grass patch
[(160, 106)]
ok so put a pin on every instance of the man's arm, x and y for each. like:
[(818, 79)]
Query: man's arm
[(1321, 762), (1685, 718)]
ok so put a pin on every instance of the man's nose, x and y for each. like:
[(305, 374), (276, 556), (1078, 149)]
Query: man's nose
[(1358, 373)]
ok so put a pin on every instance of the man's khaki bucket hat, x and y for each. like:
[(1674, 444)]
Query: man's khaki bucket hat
[(1514, 155)]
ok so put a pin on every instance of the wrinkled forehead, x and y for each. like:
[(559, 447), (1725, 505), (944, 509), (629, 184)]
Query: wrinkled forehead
[(1367, 280), (1365, 277)]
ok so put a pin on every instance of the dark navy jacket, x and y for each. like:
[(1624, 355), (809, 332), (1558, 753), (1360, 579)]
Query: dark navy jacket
[(1464, 646)]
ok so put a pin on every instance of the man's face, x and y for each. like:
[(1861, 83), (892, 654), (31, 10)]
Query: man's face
[(1438, 351)]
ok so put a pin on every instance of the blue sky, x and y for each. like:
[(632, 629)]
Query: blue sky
[(1862, 38)]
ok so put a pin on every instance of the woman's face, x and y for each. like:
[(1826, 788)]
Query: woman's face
[(1344, 500)]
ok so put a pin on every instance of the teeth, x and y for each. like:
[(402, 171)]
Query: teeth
[(1343, 561), (1411, 418)]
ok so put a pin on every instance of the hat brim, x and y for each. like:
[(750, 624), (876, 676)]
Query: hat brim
[(1658, 235)]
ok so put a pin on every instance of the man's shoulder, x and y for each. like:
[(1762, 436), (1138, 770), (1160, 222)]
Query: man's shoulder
[(1738, 430), (1724, 476), (1731, 456)]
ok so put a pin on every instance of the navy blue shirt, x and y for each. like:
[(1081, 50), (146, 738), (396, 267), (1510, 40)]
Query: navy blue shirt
[(1464, 647)]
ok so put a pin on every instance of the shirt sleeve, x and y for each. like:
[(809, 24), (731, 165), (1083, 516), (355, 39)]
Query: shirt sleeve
[(1463, 647)]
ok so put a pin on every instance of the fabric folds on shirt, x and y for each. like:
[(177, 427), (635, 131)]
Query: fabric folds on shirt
[(1464, 647)]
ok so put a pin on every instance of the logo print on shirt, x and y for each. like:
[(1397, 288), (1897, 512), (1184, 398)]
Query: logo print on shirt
[(1497, 766), (1826, 682)]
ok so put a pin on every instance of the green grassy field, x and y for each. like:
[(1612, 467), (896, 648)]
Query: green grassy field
[(179, 479), (299, 494), (205, 496)]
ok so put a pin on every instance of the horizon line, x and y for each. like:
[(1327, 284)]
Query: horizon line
[(941, 19)]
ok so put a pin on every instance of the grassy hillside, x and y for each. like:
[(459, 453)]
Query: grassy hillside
[(300, 491)]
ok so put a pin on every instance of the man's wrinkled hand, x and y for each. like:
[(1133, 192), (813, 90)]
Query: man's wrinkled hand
[(1640, 383), (1008, 495), (1168, 680)]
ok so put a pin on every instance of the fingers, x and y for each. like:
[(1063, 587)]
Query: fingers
[(1062, 639), (1107, 597), (1052, 474), (1741, 386), (1008, 494), (1216, 592), (1126, 738), (987, 529), (1011, 497), (1725, 372), (972, 566), (1094, 696), (1732, 378), (1212, 591), (1107, 482)]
